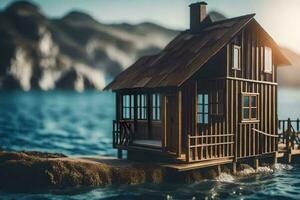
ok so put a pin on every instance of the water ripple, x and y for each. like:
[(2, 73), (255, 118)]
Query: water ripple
[(65, 122)]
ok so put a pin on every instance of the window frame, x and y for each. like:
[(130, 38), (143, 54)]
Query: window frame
[(203, 115), (250, 107), (268, 60), (156, 107), (127, 108), (234, 47), (217, 102), (142, 107)]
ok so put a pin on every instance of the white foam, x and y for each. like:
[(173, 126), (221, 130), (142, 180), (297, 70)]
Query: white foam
[(280, 167), (169, 197), (224, 177), (246, 172), (265, 170)]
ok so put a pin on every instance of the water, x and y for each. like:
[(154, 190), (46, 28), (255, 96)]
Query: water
[(64, 122), (283, 183), (80, 124)]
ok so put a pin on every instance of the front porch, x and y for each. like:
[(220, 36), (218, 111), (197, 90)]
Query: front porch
[(206, 147)]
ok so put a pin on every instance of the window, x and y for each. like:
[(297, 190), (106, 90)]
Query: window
[(250, 106), (236, 57), (127, 107), (142, 106), (268, 60), (156, 107), (202, 112), (217, 102)]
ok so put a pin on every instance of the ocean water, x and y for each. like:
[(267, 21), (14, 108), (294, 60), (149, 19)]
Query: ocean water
[(81, 123), (60, 121)]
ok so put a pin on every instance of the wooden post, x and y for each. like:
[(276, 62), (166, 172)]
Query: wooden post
[(234, 168), (164, 115), (288, 142), (188, 148), (275, 158), (256, 164), (219, 170), (289, 156), (179, 123), (287, 135), (120, 154)]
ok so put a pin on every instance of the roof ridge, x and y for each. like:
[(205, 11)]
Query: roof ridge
[(233, 18), (223, 21)]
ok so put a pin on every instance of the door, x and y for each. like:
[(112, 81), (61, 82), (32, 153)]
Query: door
[(171, 123)]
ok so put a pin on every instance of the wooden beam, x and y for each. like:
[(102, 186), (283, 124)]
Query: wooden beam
[(256, 164), (234, 168), (164, 132), (251, 81), (120, 154), (179, 123)]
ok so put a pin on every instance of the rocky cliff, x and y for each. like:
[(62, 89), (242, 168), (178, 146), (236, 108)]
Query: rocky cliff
[(73, 52), (78, 52)]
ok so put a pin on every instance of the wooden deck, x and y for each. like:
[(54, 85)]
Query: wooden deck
[(147, 143), (197, 165), (286, 146)]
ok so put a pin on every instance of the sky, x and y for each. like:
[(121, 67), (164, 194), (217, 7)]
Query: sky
[(280, 18)]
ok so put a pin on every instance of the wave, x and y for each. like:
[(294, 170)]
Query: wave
[(229, 178), (225, 177)]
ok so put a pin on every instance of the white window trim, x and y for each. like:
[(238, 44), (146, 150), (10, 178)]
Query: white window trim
[(239, 58), (268, 60)]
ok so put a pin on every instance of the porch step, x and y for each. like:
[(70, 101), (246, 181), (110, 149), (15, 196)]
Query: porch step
[(148, 143), (140, 148), (180, 167)]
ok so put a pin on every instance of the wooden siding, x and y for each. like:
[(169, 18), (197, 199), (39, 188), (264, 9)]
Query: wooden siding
[(247, 141), (251, 78), (226, 135), (252, 50), (214, 139)]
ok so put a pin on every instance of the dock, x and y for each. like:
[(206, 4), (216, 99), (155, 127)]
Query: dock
[(288, 148)]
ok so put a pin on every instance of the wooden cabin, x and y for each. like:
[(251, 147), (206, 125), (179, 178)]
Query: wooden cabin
[(210, 94)]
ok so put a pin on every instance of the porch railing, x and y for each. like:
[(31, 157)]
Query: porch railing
[(266, 143), (122, 133), (209, 147), (289, 132)]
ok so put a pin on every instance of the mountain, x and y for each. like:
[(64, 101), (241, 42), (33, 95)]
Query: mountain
[(78, 52), (289, 75), (72, 52)]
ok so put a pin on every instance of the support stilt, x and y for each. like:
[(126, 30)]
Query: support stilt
[(275, 158), (256, 164), (120, 154), (289, 156), (219, 170), (234, 168)]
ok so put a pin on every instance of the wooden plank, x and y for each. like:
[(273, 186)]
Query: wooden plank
[(197, 165), (231, 120), (164, 136), (195, 118), (236, 105), (252, 81), (179, 123)]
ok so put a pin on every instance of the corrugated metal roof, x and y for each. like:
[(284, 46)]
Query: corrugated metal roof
[(181, 58)]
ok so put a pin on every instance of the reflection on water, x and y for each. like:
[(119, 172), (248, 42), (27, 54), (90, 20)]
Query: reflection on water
[(80, 124)]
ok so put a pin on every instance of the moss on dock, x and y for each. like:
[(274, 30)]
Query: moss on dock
[(35, 171), (32, 171)]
